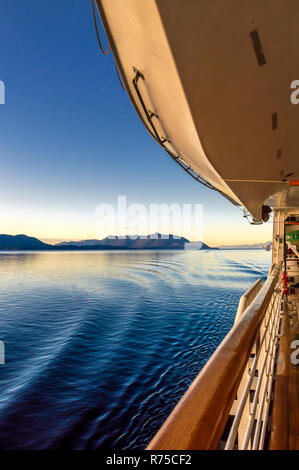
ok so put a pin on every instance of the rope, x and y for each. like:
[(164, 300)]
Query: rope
[(97, 31)]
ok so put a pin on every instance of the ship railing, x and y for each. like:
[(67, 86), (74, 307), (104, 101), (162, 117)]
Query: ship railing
[(247, 298), (228, 404)]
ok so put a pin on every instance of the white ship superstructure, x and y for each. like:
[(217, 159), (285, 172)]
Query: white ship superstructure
[(214, 82)]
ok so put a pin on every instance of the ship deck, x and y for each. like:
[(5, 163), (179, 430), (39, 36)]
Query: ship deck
[(285, 420), (247, 395)]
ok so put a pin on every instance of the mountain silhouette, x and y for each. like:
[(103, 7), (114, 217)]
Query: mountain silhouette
[(21, 242), (140, 242), (143, 242)]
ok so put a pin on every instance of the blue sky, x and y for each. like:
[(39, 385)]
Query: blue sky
[(70, 139)]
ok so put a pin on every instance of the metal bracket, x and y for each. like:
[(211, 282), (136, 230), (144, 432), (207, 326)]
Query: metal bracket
[(163, 140)]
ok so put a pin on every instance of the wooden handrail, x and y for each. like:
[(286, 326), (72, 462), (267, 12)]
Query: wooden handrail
[(247, 298), (199, 419)]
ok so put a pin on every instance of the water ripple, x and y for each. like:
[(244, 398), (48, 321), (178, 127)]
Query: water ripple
[(101, 346)]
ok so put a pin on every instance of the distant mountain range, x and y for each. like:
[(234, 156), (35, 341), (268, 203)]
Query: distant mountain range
[(255, 246), (149, 242), (23, 242), (155, 241)]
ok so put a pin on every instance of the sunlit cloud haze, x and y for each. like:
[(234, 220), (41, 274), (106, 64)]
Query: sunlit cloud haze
[(52, 225), (70, 139)]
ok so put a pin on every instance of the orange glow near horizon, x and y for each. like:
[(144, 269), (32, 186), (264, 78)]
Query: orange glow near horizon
[(55, 226)]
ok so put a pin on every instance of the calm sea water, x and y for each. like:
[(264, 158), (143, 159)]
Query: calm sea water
[(101, 345)]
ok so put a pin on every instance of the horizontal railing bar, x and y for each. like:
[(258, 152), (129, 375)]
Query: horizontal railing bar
[(280, 416), (199, 419), (268, 383), (234, 429), (259, 417), (256, 399), (270, 379), (268, 398), (268, 355)]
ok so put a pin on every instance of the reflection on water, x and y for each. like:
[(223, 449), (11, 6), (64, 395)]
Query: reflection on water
[(101, 345)]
